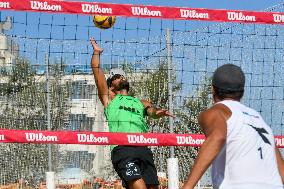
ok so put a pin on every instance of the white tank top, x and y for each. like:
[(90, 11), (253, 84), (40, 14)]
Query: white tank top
[(248, 159)]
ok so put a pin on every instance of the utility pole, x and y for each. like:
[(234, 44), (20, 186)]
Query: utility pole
[(50, 182)]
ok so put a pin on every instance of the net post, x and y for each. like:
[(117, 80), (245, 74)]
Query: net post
[(173, 173), (170, 87), (48, 109), (50, 180), (172, 162)]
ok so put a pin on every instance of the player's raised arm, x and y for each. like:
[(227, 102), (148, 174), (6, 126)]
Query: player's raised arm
[(98, 74), (280, 163)]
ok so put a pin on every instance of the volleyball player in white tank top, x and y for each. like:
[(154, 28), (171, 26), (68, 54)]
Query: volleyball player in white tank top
[(239, 144), (247, 160)]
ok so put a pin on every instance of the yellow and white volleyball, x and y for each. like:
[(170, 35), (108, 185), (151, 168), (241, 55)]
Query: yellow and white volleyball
[(104, 22)]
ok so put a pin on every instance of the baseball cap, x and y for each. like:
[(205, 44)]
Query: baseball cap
[(229, 78)]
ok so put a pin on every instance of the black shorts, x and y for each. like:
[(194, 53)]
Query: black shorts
[(134, 162)]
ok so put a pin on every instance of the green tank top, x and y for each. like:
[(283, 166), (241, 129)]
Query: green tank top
[(126, 114)]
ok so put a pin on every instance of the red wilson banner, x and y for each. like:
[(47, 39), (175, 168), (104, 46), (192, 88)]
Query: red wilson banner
[(106, 138), (91, 8)]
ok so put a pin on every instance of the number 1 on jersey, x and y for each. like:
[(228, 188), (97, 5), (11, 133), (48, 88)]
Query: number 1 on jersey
[(260, 151)]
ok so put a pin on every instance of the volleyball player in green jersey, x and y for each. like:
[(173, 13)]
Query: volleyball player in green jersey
[(124, 113)]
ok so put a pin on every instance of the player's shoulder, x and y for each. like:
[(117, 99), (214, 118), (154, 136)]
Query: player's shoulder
[(214, 112), (216, 109)]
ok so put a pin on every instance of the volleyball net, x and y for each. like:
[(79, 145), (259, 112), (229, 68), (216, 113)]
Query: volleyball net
[(48, 93)]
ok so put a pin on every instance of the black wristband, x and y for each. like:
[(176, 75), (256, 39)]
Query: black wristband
[(146, 110)]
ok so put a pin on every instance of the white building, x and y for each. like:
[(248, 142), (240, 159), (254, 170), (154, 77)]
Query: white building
[(8, 49), (85, 105)]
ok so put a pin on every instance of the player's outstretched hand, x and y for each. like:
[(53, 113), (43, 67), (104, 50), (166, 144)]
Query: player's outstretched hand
[(96, 47), (164, 112)]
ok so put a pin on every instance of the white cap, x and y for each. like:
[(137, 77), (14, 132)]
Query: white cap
[(113, 72), (116, 71)]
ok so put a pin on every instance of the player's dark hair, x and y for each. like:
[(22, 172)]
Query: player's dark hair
[(111, 79), (222, 94), (123, 85)]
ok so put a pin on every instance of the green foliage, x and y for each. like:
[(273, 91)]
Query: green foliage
[(187, 123), (24, 106), (192, 106), (19, 78), (153, 85)]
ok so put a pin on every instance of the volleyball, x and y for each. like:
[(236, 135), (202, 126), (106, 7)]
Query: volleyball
[(104, 22)]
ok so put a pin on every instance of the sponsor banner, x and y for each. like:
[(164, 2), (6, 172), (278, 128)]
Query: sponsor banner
[(128, 10), (107, 138), (99, 138)]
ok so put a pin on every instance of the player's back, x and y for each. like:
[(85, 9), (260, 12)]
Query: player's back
[(248, 160)]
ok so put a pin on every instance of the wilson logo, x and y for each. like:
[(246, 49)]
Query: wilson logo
[(144, 11), (189, 140), (239, 16), (95, 9), (278, 18), (5, 5), (91, 138), (279, 142), (140, 139), (37, 5), (193, 14), (2, 137), (40, 137)]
